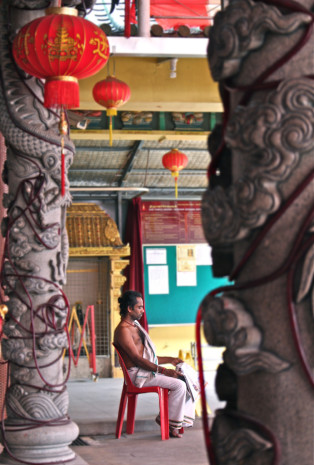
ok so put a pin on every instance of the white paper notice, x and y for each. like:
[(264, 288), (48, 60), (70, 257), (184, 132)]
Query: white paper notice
[(203, 254), (158, 280), (186, 278), (156, 256)]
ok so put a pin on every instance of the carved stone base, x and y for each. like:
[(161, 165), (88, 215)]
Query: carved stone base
[(5, 460), (47, 444)]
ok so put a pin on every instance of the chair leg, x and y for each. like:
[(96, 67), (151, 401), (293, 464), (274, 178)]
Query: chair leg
[(121, 412), (130, 421), (164, 414)]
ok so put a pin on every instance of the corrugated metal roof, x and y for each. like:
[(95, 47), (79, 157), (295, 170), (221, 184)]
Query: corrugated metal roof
[(130, 163)]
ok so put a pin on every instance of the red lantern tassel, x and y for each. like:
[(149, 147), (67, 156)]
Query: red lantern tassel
[(63, 128), (110, 131), (62, 91), (175, 175), (111, 112), (176, 187), (62, 174)]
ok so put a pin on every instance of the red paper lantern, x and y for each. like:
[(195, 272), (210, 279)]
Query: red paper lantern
[(111, 93), (61, 48), (175, 161)]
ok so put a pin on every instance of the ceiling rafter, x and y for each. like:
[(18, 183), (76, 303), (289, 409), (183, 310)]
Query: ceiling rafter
[(90, 149), (160, 171), (128, 167)]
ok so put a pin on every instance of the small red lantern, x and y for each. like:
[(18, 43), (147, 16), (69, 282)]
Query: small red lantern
[(111, 93), (175, 161), (61, 48)]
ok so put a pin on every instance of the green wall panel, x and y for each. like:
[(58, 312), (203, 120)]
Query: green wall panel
[(181, 304)]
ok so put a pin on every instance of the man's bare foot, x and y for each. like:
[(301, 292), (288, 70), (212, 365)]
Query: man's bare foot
[(174, 433)]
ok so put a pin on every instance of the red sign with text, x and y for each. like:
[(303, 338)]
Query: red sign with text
[(172, 222)]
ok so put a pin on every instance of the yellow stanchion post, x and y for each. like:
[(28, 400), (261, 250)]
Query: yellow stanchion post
[(75, 318)]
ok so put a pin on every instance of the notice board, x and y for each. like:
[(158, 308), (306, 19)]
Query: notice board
[(172, 222), (177, 304)]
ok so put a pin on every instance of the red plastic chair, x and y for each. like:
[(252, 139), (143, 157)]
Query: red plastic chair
[(129, 395)]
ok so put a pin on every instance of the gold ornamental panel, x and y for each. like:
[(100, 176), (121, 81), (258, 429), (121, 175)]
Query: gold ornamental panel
[(90, 227)]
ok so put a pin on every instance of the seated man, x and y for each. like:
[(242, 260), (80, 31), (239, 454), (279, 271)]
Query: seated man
[(138, 353)]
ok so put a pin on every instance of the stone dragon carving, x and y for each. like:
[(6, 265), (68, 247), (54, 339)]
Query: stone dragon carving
[(228, 324), (241, 29), (285, 134), (259, 210), (36, 254)]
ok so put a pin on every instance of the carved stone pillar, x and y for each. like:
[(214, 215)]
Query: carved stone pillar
[(117, 281), (37, 428), (262, 209)]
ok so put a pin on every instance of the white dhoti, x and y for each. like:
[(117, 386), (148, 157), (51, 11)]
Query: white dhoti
[(176, 397), (181, 405)]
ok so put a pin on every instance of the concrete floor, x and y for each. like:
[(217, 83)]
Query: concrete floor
[(145, 448), (94, 407)]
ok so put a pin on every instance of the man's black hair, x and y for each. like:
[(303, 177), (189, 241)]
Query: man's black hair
[(129, 299)]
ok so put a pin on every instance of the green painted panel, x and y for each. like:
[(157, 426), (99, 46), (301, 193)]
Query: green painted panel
[(181, 304)]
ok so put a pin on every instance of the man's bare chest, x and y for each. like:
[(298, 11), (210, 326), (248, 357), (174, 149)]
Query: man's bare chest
[(138, 337)]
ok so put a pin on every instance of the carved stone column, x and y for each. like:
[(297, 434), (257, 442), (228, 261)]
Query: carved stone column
[(258, 214), (117, 281), (37, 428)]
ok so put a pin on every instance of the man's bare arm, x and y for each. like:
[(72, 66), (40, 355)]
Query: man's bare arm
[(173, 360)]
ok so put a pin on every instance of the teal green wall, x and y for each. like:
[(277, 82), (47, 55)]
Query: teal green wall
[(181, 304)]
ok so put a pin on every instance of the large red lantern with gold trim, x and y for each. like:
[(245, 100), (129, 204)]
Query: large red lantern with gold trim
[(61, 48), (111, 93), (175, 161)]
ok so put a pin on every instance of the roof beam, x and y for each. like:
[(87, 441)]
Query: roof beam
[(129, 164), (161, 171), (110, 189), (195, 194), (80, 148), (124, 134), (159, 47)]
